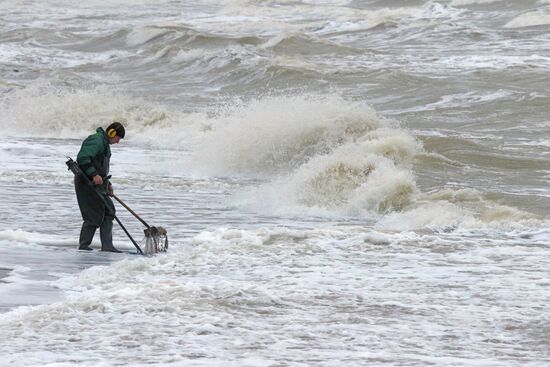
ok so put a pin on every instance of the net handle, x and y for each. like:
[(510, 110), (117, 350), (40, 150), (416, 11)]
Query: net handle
[(131, 211)]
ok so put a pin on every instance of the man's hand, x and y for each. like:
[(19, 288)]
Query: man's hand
[(110, 190), (97, 180)]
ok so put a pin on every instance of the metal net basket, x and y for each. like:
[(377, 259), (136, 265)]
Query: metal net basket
[(155, 240)]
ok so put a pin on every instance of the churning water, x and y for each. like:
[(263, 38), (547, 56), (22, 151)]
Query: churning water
[(343, 182)]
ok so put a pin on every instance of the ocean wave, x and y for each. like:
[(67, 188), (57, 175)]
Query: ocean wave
[(46, 110), (304, 44), (465, 100), (316, 154), (530, 19), (472, 2), (327, 155), (348, 20), (175, 34), (452, 209), (370, 175), (280, 133)]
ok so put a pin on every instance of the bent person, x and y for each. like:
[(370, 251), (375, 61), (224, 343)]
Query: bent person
[(93, 158)]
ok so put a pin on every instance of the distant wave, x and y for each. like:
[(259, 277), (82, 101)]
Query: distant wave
[(531, 19), (472, 2), (324, 154)]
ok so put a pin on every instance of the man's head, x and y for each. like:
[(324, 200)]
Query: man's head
[(115, 132)]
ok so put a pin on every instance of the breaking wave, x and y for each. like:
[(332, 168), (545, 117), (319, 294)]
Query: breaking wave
[(314, 154), (45, 110), (530, 19), (472, 2), (325, 155)]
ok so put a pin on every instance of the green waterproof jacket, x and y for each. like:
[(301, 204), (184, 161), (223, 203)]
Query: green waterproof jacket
[(94, 154), (93, 158)]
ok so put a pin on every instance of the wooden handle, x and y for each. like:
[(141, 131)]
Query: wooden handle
[(131, 211)]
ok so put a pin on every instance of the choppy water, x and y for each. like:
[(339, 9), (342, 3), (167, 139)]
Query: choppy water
[(343, 182)]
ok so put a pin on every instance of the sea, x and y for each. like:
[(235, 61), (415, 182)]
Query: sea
[(343, 182)]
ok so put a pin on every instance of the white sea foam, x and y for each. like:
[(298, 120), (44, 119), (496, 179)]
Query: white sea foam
[(263, 291), (462, 100), (45, 110), (30, 240), (20, 237), (31, 56), (472, 2), (252, 17), (280, 133), (320, 155), (493, 61), (328, 156), (356, 20), (358, 177), (448, 209), (531, 19)]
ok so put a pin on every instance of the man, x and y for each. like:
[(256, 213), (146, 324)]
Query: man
[(93, 159)]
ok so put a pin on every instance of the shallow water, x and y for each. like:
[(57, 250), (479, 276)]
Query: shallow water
[(343, 182)]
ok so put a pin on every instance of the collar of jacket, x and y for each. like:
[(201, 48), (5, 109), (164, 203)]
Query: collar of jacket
[(100, 130)]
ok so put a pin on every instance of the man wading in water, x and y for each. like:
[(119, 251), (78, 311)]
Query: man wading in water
[(93, 159)]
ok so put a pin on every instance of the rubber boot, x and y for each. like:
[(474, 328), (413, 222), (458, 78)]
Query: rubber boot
[(86, 236), (106, 234)]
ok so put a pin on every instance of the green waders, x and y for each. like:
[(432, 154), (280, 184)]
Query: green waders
[(95, 213)]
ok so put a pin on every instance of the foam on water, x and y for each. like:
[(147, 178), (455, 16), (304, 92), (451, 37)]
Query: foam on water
[(357, 177), (321, 155), (325, 153), (530, 19), (465, 100), (45, 110), (472, 2), (23, 237), (355, 21), (335, 157), (280, 133), (449, 209), (239, 297)]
